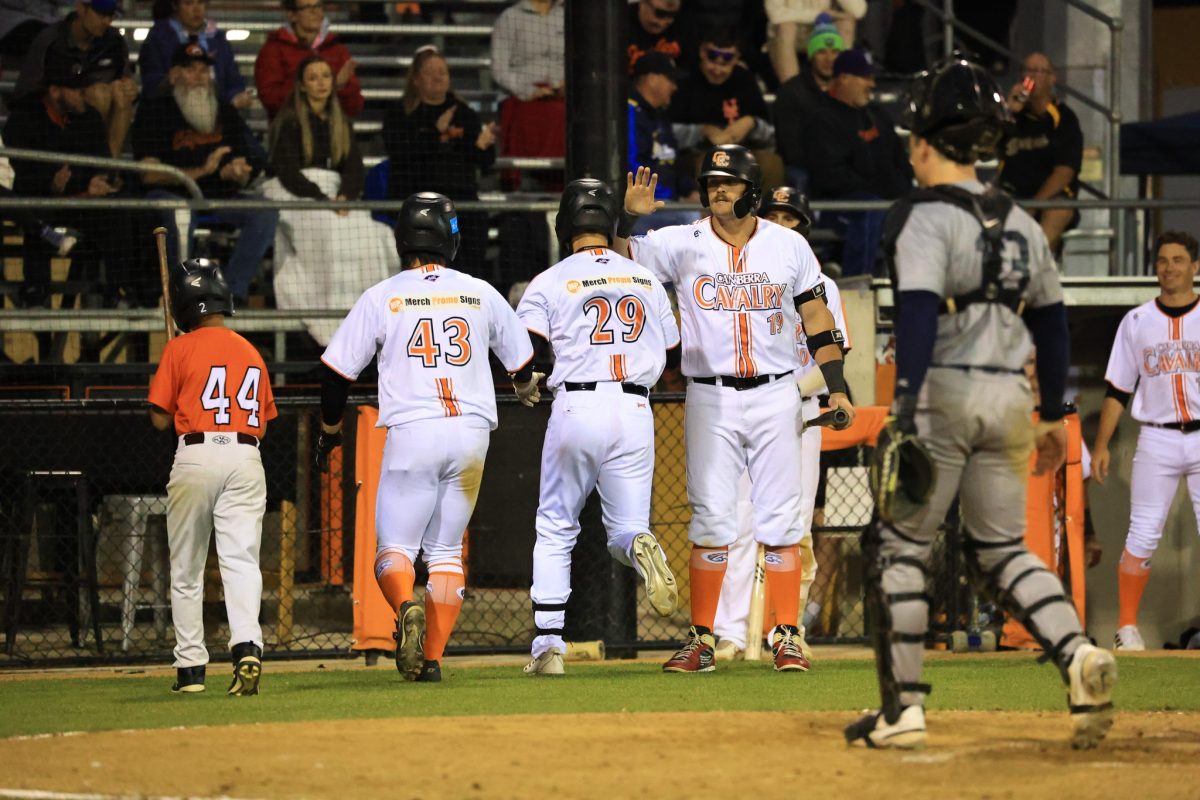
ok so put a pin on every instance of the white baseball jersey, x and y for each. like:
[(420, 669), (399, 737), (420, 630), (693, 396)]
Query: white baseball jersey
[(607, 318), (833, 296), (736, 303), (1159, 356), (431, 327)]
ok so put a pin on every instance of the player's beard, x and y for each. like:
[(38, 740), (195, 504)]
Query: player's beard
[(198, 104)]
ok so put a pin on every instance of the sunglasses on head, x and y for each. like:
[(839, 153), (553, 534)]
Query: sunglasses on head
[(720, 56)]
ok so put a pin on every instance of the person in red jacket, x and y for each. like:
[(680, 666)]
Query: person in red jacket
[(307, 33)]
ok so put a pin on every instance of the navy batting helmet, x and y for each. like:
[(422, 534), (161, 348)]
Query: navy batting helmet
[(792, 200), (959, 109), (197, 288), (733, 161), (428, 224), (587, 206)]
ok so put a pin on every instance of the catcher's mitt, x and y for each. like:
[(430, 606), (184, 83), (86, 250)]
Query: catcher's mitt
[(902, 475)]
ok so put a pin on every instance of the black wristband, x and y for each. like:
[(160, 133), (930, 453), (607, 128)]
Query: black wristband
[(831, 336), (834, 380), (625, 224)]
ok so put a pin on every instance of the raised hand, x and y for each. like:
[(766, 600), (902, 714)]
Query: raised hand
[(639, 192)]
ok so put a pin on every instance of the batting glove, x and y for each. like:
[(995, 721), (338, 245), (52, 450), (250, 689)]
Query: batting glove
[(326, 442), (528, 393)]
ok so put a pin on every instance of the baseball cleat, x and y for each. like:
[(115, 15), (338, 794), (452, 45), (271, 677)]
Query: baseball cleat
[(696, 655), (727, 650), (189, 680), (548, 663), (410, 640), (431, 672), (1092, 674), (1129, 638), (247, 669), (660, 581), (873, 730), (786, 647)]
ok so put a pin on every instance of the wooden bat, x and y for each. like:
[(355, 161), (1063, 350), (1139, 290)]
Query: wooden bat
[(754, 619), (160, 239), (837, 418)]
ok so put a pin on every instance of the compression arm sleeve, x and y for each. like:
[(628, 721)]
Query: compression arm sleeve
[(334, 391), (916, 329), (1048, 325)]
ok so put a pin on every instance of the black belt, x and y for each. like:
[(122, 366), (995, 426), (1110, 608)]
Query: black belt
[(970, 367), (198, 438), (740, 384), (590, 386), (1186, 427)]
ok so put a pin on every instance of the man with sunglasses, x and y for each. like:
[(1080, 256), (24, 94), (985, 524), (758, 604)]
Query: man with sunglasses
[(86, 37), (307, 33), (653, 28)]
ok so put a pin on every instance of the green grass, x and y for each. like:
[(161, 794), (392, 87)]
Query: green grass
[(86, 704)]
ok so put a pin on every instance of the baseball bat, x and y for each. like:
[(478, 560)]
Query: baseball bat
[(160, 239), (836, 418), (754, 619), (585, 651)]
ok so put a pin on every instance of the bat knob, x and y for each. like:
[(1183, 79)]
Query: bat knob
[(841, 418)]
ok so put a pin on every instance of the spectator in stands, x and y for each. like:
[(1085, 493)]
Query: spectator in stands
[(435, 142), (853, 153), (720, 103), (306, 34), (798, 96), (189, 21), (654, 26), (323, 259), (61, 240), (86, 37), (204, 136), (652, 140), (59, 119), (1041, 157), (527, 62), (794, 21), (20, 23)]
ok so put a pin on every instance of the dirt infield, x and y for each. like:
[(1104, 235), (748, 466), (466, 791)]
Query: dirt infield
[(971, 755)]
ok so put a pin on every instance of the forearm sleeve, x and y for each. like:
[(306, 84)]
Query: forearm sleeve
[(1048, 325), (334, 391), (916, 329)]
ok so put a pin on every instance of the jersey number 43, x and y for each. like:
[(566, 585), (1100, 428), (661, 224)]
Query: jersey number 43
[(215, 398), (423, 344)]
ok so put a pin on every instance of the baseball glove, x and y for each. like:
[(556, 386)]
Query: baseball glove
[(902, 475)]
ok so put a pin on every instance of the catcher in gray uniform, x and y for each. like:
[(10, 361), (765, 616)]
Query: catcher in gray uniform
[(974, 281)]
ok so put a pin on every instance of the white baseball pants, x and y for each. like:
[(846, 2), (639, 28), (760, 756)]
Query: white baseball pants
[(1163, 456), (217, 485)]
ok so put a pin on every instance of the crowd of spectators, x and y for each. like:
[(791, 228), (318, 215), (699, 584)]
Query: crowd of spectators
[(696, 69)]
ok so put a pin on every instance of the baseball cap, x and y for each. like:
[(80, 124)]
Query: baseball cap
[(188, 53), (107, 7), (655, 63), (61, 69), (825, 36), (854, 62)]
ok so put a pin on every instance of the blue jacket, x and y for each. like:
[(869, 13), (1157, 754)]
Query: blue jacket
[(652, 144), (154, 59)]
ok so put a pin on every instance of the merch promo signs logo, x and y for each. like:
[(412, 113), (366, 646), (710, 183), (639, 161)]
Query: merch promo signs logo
[(573, 286), (720, 159)]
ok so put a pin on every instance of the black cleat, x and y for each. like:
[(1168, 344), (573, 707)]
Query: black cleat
[(189, 680), (247, 669), (431, 672)]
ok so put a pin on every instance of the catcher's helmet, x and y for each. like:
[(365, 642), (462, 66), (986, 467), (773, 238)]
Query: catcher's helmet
[(428, 224), (791, 199), (587, 206), (733, 161), (198, 288), (959, 109)]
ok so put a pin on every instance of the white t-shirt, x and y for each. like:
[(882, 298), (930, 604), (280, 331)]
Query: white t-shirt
[(607, 318), (431, 327), (1159, 357), (737, 305)]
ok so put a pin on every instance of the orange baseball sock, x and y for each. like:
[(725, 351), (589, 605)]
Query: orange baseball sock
[(394, 574), (443, 600), (706, 571), (783, 567), (1132, 576)]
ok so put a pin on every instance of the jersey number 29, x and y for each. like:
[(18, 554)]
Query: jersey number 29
[(630, 313), (214, 397)]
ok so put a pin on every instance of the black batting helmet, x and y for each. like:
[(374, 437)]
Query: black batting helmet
[(428, 224), (733, 161), (198, 288), (959, 109), (791, 199), (587, 206)]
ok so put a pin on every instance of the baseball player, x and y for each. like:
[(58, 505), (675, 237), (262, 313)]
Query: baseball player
[(740, 281), (431, 327), (212, 385), (789, 208), (612, 330), (974, 279), (1157, 355)]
